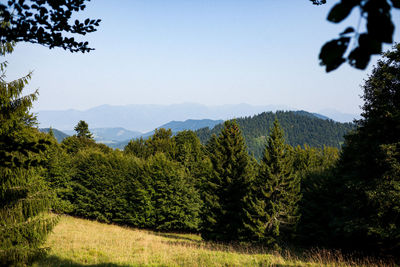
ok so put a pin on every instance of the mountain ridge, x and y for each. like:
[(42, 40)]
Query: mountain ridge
[(144, 118)]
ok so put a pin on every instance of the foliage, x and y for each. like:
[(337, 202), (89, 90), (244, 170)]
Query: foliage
[(82, 130), (300, 129), (45, 22), (176, 201), (369, 164), (24, 196), (73, 144), (137, 147), (160, 141), (379, 30), (56, 133), (111, 186), (56, 163), (355, 206), (273, 205), (226, 189)]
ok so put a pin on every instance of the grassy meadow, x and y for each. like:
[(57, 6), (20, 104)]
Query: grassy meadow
[(78, 242)]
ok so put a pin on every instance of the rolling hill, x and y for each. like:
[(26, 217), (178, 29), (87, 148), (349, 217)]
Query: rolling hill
[(300, 128), (59, 135)]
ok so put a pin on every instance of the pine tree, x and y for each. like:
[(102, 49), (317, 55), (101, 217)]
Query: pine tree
[(225, 192), (368, 217), (24, 196), (82, 130), (272, 212)]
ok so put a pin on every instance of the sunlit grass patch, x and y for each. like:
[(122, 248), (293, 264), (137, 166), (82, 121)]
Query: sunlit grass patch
[(78, 242)]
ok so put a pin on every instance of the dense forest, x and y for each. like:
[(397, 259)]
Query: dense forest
[(294, 195), (300, 127)]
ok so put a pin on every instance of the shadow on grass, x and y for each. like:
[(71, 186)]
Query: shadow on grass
[(233, 247), (176, 236), (222, 247), (60, 262)]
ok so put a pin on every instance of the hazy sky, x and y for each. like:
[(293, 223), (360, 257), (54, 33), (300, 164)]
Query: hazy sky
[(261, 52)]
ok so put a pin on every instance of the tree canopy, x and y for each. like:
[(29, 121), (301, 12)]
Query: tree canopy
[(82, 130), (24, 196)]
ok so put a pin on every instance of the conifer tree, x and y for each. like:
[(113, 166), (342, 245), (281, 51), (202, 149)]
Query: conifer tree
[(272, 210), (226, 189), (368, 216), (82, 130), (24, 197)]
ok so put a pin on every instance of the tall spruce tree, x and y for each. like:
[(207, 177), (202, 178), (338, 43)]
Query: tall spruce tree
[(272, 210), (82, 130), (226, 189), (24, 197), (369, 166)]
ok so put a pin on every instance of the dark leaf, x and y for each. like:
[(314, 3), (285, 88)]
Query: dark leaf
[(380, 27), (340, 11), (331, 54)]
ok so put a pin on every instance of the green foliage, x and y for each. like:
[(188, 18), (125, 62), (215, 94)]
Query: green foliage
[(160, 141), (137, 147), (226, 189), (73, 144), (273, 203), (56, 133), (99, 181), (24, 196), (56, 163), (176, 200), (320, 195), (116, 187), (356, 206), (369, 163), (300, 129), (82, 130)]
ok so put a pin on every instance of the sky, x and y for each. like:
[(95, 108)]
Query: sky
[(259, 52)]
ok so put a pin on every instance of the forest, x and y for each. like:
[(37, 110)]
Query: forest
[(343, 198), (253, 185), (300, 128)]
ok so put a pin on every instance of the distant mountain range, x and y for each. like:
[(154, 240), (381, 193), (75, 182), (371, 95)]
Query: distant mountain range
[(302, 127), (118, 137), (110, 135), (145, 118)]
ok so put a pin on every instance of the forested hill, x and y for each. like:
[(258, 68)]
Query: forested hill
[(300, 128), (57, 133)]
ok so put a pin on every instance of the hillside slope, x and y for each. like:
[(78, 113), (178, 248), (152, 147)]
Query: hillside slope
[(57, 133), (78, 242), (300, 128)]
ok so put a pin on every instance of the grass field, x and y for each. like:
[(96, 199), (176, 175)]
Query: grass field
[(78, 242)]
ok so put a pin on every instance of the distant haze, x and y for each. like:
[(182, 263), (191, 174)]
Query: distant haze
[(144, 118)]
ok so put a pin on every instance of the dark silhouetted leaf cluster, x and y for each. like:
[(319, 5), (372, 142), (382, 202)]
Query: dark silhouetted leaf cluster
[(379, 30), (45, 22)]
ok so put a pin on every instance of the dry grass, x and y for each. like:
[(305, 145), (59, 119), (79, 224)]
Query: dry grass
[(78, 242)]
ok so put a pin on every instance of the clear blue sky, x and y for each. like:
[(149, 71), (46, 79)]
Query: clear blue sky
[(259, 52)]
